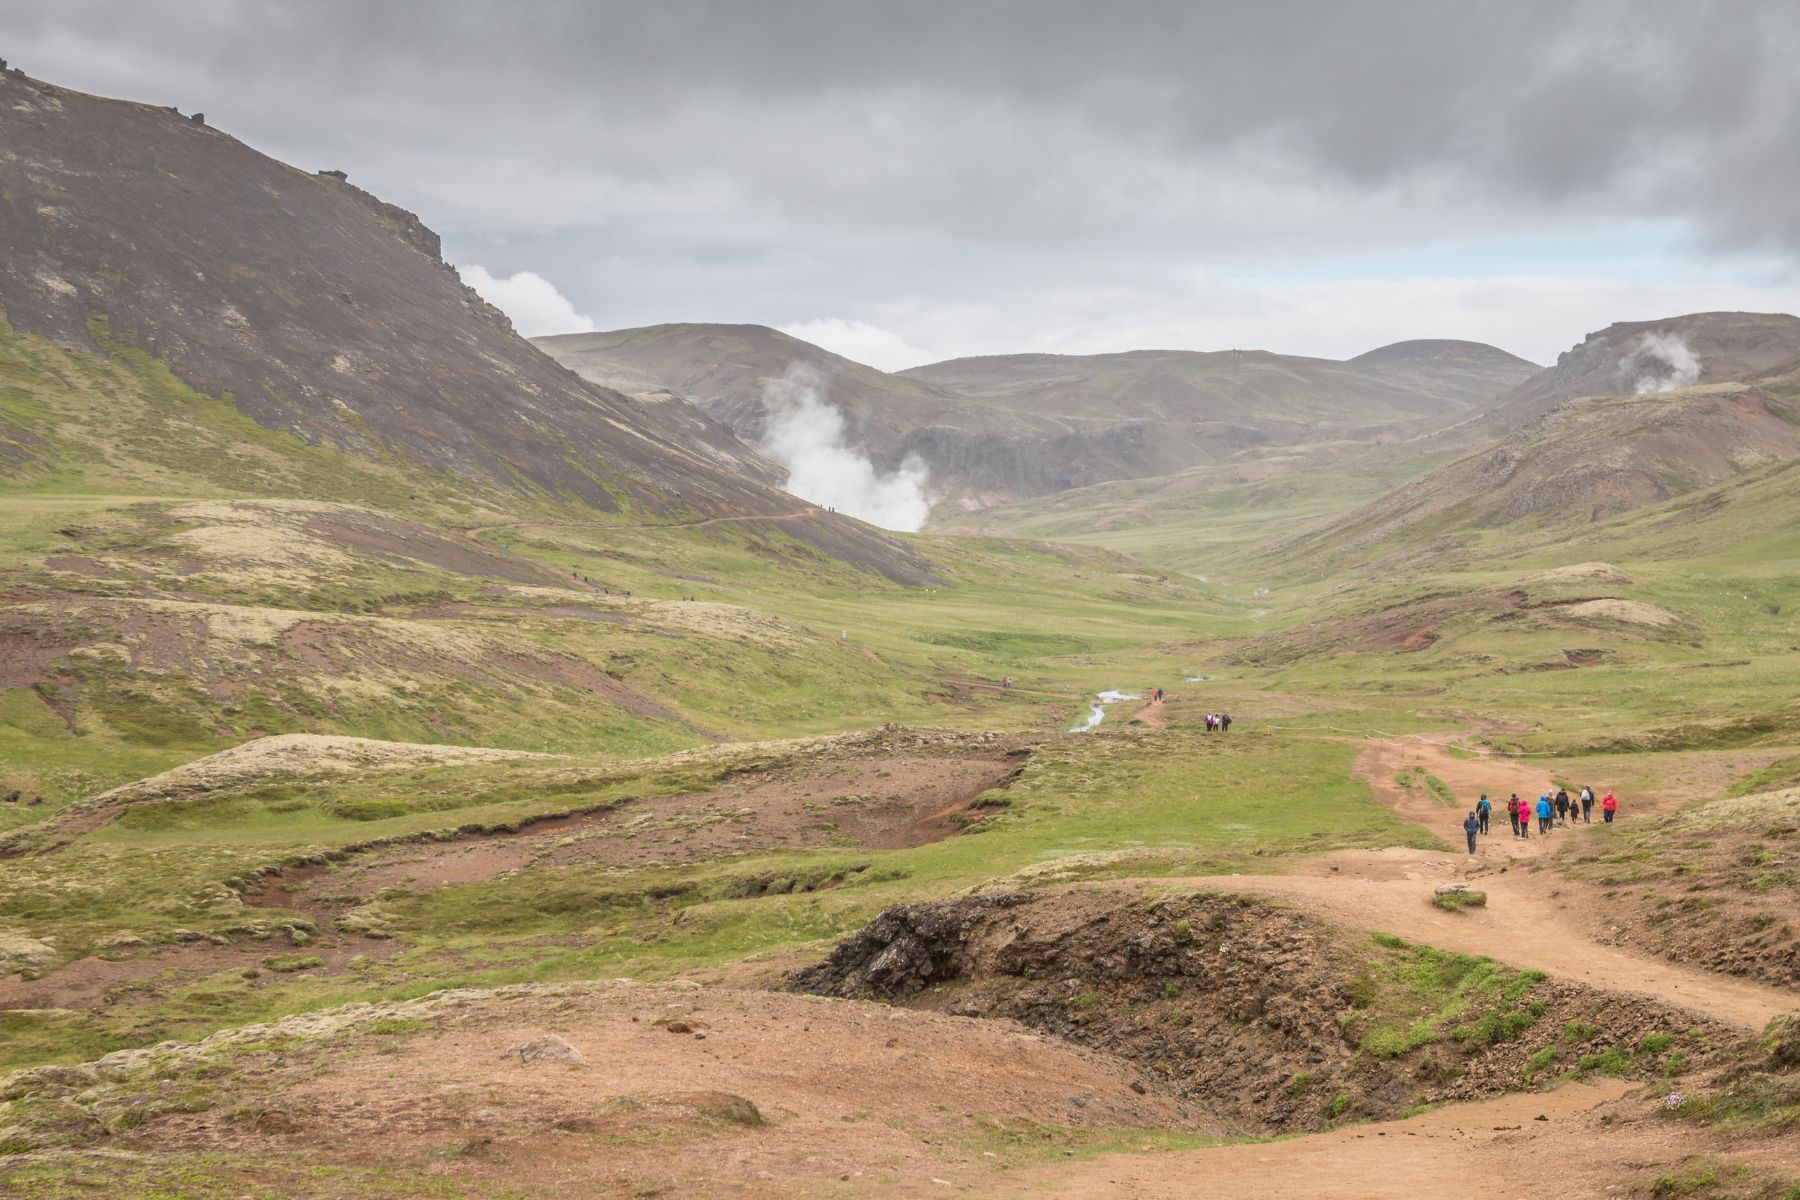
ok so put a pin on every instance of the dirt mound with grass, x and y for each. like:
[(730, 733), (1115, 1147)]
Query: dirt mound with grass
[(660, 1091), (1268, 1018), (1714, 886), (1587, 574), (286, 758), (1613, 611)]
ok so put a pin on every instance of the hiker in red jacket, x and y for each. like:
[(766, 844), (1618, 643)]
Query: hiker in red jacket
[(1609, 804)]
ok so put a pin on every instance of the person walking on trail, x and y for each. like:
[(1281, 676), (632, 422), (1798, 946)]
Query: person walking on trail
[(1471, 827), (1546, 813), (1512, 813), (1587, 804), (1562, 806), (1482, 810), (1609, 804)]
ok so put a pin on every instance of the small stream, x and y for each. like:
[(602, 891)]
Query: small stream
[(1097, 709)]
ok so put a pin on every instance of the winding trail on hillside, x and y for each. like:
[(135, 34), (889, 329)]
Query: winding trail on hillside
[(1532, 919), (1482, 1150), (1486, 1150), (475, 533)]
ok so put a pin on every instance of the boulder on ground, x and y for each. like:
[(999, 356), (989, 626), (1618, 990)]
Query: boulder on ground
[(547, 1047)]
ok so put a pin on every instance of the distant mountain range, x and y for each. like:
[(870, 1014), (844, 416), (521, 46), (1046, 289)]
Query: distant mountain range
[(999, 429)]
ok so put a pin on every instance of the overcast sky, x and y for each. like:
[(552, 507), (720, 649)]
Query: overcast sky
[(908, 181)]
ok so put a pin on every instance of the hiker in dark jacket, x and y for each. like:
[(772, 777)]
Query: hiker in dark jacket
[(1482, 810), (1471, 826), (1587, 804), (1562, 806)]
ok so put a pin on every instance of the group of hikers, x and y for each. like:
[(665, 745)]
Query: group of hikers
[(1219, 722), (1550, 810)]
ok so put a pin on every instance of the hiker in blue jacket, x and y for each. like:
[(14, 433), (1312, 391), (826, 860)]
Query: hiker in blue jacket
[(1546, 812)]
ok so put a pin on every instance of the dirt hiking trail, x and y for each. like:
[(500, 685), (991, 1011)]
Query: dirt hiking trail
[(1531, 920), (1486, 1150)]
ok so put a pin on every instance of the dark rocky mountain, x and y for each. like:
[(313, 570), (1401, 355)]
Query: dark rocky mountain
[(320, 310), (1633, 356), (1007, 427)]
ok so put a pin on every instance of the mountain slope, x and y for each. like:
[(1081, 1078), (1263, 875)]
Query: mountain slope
[(322, 311), (1582, 463)]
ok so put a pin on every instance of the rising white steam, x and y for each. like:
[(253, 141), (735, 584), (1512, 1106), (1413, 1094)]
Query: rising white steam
[(806, 435), (1660, 362)]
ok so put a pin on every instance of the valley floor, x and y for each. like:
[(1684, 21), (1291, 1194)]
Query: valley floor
[(708, 1084)]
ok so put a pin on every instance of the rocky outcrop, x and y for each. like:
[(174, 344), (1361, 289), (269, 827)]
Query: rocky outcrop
[(1267, 1017)]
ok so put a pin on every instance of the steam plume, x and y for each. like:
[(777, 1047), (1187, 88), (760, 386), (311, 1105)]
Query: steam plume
[(1660, 362), (806, 435)]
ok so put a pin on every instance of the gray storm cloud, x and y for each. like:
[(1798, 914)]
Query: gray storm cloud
[(1660, 362), (807, 435), (1052, 175)]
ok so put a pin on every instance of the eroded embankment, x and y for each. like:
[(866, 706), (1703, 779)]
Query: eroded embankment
[(1264, 1015)]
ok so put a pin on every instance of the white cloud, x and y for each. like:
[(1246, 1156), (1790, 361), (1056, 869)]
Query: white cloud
[(860, 342), (537, 309)]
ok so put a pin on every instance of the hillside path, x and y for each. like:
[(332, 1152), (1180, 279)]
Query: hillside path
[(1532, 919), (1483, 1150), (474, 534)]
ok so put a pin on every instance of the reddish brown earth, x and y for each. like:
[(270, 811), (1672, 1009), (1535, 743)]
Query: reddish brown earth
[(848, 1098)]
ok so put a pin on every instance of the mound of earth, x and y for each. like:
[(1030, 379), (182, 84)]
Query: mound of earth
[(1611, 611), (292, 758), (1262, 1015), (1714, 886), (1587, 574), (678, 1091)]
